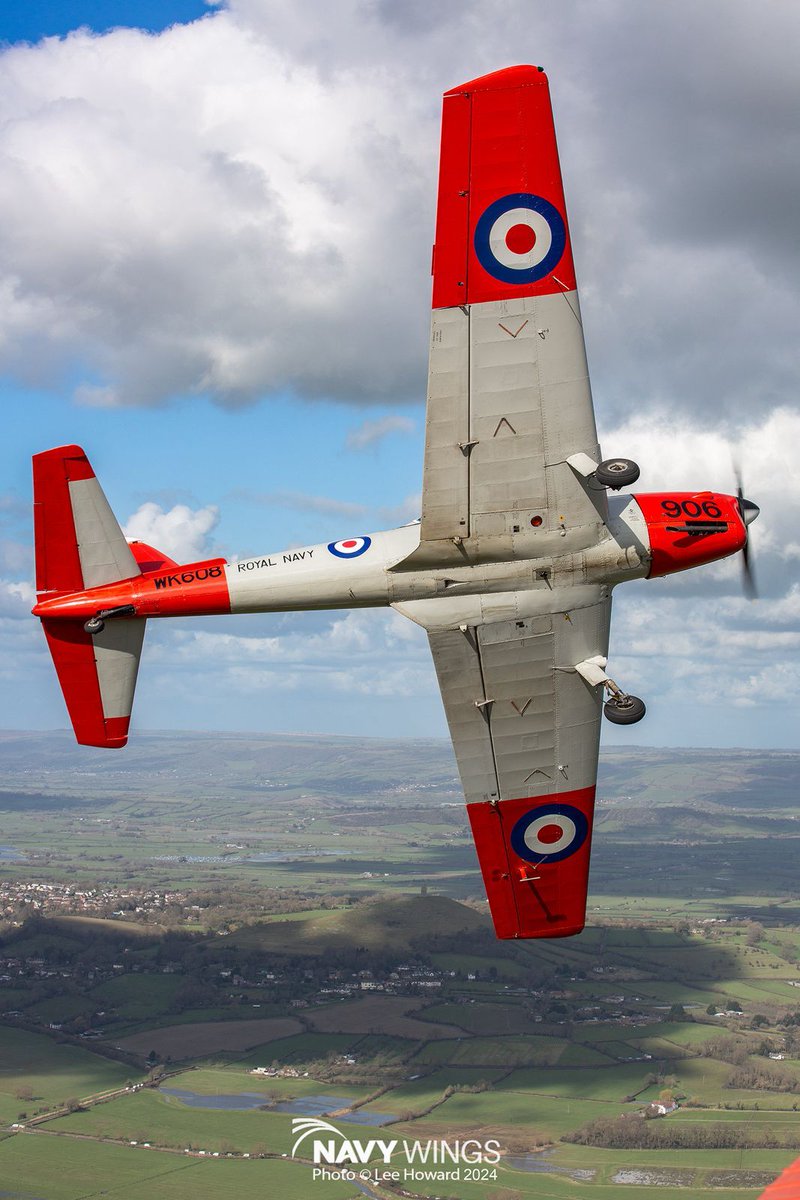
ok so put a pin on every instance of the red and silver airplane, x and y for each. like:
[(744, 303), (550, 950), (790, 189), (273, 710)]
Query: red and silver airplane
[(523, 533)]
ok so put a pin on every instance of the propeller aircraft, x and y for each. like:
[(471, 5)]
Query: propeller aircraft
[(524, 531)]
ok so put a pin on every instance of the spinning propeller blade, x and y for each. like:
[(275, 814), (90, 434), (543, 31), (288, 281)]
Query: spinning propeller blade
[(748, 511)]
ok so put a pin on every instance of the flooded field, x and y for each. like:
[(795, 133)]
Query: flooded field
[(539, 1162), (307, 1106)]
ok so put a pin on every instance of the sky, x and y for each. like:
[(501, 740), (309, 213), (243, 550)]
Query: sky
[(215, 231)]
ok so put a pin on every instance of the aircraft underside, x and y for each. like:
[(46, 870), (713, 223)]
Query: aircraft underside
[(523, 534)]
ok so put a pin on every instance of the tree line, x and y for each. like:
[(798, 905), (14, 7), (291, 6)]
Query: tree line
[(635, 1133)]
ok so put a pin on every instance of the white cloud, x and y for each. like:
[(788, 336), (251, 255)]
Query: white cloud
[(17, 598), (15, 556), (92, 396), (370, 433), (366, 652), (245, 204), (405, 512), (707, 656), (179, 532), (680, 454), (194, 212)]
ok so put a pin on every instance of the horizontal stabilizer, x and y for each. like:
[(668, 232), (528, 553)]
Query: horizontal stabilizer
[(97, 676)]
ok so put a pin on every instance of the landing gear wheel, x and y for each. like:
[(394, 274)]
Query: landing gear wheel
[(617, 473), (94, 625), (624, 710)]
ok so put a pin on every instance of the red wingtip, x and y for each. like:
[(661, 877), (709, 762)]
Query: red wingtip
[(114, 738), (69, 462), (529, 895), (499, 162), (508, 77)]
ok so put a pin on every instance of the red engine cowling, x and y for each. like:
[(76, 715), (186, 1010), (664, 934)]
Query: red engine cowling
[(689, 528)]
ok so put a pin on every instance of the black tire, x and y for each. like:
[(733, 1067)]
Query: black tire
[(617, 473), (626, 710), (94, 625)]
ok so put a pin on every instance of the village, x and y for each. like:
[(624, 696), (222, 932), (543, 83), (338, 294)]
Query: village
[(59, 974), (19, 898)]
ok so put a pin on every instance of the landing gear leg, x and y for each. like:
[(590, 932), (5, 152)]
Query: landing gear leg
[(621, 708), (97, 623)]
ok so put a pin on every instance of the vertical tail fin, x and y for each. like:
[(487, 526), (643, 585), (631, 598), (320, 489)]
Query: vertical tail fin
[(78, 541), (79, 545)]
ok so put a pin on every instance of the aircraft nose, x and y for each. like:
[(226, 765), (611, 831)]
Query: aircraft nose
[(749, 511)]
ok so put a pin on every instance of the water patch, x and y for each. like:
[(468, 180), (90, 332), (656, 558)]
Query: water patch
[(193, 858), (307, 1106), (538, 1163), (655, 1177), (10, 854), (737, 1179), (317, 1106), (268, 856), (240, 1101)]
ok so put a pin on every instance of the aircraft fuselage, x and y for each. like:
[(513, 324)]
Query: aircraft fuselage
[(553, 573)]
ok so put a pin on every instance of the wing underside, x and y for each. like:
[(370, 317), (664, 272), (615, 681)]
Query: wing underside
[(526, 729), (509, 454), (509, 401)]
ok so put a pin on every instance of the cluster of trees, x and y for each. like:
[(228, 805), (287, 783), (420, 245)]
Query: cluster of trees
[(635, 1133), (724, 1048), (754, 933), (763, 1077)]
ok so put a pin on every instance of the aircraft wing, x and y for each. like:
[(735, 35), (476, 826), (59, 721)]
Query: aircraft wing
[(509, 400), (526, 730)]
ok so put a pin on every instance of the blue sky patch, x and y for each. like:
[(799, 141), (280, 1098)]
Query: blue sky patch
[(36, 19)]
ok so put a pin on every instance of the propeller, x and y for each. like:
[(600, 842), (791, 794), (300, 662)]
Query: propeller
[(748, 511)]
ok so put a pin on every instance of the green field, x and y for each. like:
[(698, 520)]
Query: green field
[(480, 1018), (60, 1168), (234, 834), (490, 1052), (52, 1073)]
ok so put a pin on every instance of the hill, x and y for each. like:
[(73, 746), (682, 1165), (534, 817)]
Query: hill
[(387, 922)]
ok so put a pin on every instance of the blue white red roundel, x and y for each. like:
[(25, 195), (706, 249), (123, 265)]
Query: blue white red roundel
[(549, 833), (520, 238), (350, 547)]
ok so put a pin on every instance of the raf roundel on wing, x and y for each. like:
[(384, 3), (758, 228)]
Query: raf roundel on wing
[(520, 238), (350, 547), (549, 833)]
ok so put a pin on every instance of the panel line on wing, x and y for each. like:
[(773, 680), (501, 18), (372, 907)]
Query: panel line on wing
[(487, 712)]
